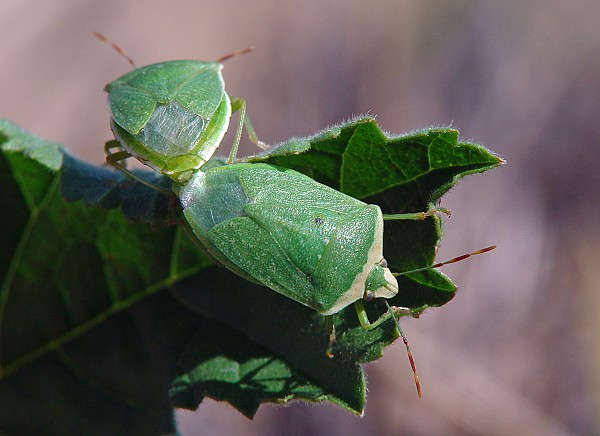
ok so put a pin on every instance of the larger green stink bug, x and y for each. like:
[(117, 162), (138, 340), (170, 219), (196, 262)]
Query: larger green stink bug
[(173, 115), (279, 228), (282, 229)]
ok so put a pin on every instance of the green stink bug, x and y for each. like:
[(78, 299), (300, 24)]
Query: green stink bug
[(173, 115), (307, 241), (280, 228), (318, 246)]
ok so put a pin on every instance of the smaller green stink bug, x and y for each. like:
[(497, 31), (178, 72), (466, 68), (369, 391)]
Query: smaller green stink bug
[(173, 115)]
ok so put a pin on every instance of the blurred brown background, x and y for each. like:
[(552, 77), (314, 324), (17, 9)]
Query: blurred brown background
[(516, 352)]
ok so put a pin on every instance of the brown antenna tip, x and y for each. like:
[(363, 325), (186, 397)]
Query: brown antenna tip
[(115, 47), (242, 51), (412, 362), (464, 256)]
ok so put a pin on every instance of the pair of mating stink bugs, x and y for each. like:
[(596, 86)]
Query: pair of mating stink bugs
[(319, 247)]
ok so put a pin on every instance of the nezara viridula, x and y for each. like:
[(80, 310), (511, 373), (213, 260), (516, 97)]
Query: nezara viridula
[(173, 115), (280, 228)]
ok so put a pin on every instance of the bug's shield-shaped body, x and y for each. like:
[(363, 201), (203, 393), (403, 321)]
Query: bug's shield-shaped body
[(171, 115), (279, 228)]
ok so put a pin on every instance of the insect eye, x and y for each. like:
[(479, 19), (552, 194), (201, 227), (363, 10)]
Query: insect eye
[(368, 296), (319, 220), (383, 263)]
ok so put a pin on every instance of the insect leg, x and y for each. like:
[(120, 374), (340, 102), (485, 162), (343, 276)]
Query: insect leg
[(417, 215), (114, 160), (364, 318), (239, 105), (331, 330), (252, 135)]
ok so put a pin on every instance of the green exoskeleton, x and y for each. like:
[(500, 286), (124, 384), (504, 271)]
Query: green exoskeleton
[(280, 228), (172, 115)]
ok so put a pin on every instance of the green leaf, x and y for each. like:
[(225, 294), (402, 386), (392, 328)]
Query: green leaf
[(13, 139), (70, 359), (295, 337), (357, 158), (110, 316)]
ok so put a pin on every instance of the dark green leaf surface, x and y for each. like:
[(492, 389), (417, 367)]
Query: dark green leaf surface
[(107, 322)]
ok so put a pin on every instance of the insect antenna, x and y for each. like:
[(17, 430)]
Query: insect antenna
[(446, 262), (408, 352), (392, 312), (239, 52), (115, 46)]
